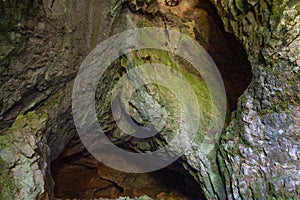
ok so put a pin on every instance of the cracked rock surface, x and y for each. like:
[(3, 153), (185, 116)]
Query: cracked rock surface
[(259, 151)]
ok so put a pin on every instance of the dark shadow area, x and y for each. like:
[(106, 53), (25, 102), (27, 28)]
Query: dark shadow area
[(228, 54), (79, 175)]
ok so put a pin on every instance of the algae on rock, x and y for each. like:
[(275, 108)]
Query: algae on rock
[(20, 158)]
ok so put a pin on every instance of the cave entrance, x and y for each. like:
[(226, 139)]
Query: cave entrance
[(79, 175)]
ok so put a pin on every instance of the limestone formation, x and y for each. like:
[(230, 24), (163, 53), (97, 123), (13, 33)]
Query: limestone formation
[(255, 44)]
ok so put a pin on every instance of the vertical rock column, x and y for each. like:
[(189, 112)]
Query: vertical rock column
[(259, 152)]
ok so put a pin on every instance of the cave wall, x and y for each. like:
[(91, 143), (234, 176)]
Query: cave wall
[(45, 44), (42, 46), (259, 151)]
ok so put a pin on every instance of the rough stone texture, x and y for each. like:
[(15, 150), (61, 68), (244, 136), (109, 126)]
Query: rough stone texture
[(42, 46), (259, 152), (202, 25), (44, 42), (21, 159), (38, 72)]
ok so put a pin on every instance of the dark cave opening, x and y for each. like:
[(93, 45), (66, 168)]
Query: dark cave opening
[(234, 68), (79, 175)]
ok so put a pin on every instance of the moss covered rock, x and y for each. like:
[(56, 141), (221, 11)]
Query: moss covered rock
[(22, 174)]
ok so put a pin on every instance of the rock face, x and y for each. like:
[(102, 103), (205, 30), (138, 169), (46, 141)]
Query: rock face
[(21, 160), (44, 42), (42, 46), (259, 151)]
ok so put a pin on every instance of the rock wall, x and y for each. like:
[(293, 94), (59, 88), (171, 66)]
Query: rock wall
[(44, 42), (42, 46), (259, 151)]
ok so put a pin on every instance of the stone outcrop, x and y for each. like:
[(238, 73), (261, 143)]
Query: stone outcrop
[(259, 151)]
